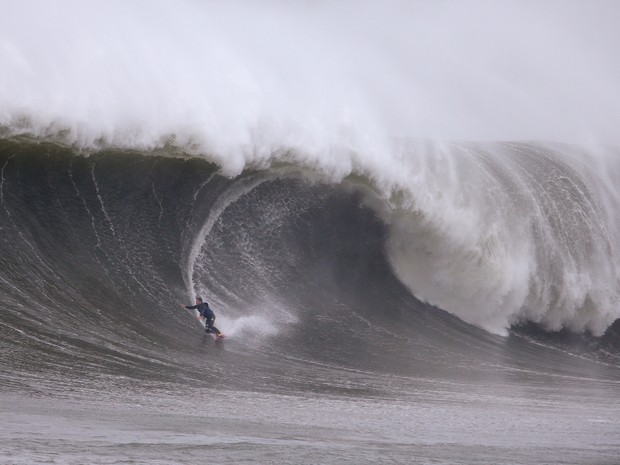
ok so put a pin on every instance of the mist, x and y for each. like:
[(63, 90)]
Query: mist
[(243, 80)]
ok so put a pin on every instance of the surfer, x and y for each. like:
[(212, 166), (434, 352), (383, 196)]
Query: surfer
[(206, 314)]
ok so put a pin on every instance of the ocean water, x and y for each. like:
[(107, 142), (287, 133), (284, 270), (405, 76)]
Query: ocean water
[(408, 232)]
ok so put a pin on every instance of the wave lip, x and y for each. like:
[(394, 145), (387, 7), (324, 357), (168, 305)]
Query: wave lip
[(500, 234)]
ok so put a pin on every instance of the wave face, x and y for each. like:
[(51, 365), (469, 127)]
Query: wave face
[(114, 241), (314, 283)]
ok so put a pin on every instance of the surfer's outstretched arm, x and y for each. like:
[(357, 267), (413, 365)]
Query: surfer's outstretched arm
[(193, 307)]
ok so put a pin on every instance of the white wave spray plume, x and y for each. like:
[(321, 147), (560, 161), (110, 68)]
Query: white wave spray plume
[(247, 77)]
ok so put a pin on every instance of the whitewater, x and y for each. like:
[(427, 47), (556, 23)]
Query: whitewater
[(404, 214)]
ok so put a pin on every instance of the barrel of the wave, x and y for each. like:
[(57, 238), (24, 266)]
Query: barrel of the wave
[(205, 315)]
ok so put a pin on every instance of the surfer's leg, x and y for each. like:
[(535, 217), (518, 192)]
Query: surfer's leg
[(213, 328), (210, 329), (217, 332)]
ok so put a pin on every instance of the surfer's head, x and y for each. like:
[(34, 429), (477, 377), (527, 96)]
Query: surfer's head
[(198, 300)]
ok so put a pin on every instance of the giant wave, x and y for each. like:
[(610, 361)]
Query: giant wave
[(404, 214), (498, 234)]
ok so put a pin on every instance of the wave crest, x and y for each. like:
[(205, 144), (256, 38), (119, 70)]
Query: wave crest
[(511, 232)]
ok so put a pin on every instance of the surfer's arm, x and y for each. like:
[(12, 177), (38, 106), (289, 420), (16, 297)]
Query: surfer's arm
[(193, 307)]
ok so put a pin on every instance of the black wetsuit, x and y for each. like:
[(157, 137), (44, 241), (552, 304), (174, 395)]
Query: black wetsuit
[(205, 311)]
